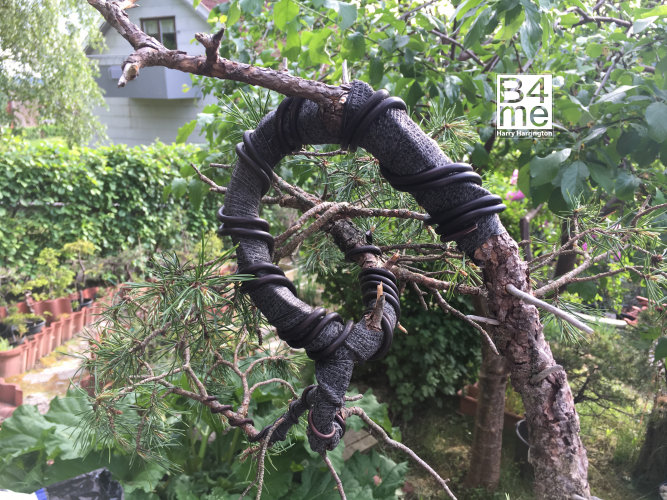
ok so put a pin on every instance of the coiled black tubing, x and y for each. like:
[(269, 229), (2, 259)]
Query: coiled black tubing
[(451, 224), (254, 227)]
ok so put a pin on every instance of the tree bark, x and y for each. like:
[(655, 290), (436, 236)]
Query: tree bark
[(651, 467), (556, 450), (484, 469)]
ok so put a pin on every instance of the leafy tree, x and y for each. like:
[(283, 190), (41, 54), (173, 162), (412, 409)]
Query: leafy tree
[(44, 70)]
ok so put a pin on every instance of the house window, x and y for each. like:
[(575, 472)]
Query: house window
[(162, 29)]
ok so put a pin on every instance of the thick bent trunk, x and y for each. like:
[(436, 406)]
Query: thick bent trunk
[(487, 441), (556, 451), (402, 149)]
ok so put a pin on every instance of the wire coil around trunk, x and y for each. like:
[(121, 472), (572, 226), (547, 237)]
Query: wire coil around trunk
[(452, 223)]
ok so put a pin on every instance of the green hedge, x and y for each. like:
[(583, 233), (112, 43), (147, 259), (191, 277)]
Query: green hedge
[(116, 197)]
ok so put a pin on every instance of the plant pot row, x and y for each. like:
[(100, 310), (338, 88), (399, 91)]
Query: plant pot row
[(52, 309), (60, 327)]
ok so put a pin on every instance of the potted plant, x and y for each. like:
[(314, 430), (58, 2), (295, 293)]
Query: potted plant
[(79, 251), (53, 279), (17, 324)]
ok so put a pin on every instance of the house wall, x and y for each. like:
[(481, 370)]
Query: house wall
[(141, 121)]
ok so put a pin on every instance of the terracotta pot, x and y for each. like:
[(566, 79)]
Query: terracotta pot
[(47, 341), (10, 394), (12, 362), (64, 306), (23, 307), (77, 321), (46, 308), (31, 353), (89, 313), (57, 336), (37, 338), (90, 293), (11, 397), (67, 331), (468, 405)]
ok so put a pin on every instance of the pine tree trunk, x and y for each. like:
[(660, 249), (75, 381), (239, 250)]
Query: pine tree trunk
[(651, 467), (556, 451), (484, 469)]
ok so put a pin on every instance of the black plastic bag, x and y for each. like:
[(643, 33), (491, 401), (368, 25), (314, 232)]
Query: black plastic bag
[(94, 485)]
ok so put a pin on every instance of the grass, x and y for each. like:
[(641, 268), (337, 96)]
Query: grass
[(443, 438)]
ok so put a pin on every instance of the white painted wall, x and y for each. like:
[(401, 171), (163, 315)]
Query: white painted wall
[(142, 121)]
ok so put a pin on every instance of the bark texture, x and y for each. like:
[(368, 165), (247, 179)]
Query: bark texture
[(556, 451), (651, 467), (484, 469)]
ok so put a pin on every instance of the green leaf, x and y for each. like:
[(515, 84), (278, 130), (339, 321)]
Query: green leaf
[(513, 20), (628, 142), (573, 182), (185, 131), (179, 187), (465, 7), (641, 24), (530, 33), (195, 3), (594, 50), (661, 349), (477, 29), (347, 13), (375, 71), (317, 46), (186, 170), (479, 157), (594, 134), (659, 11), (233, 14), (354, 46), (656, 118), (251, 6), (626, 184), (603, 176), (284, 12), (414, 94), (557, 203), (523, 182), (568, 19), (615, 95), (292, 43), (197, 191), (544, 170)]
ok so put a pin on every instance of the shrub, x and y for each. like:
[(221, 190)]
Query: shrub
[(114, 197)]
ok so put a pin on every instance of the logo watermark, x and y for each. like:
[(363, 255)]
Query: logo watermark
[(524, 106)]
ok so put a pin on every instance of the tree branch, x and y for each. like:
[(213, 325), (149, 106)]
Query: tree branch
[(149, 52), (380, 432)]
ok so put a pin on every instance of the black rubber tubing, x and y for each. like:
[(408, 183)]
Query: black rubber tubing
[(403, 150)]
